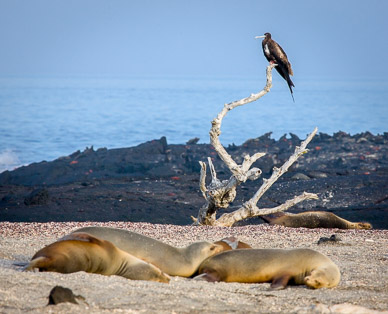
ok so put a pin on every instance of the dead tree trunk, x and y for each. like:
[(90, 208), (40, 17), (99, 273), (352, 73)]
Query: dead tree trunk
[(219, 194)]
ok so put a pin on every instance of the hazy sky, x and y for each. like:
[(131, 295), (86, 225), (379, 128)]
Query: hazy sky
[(191, 38)]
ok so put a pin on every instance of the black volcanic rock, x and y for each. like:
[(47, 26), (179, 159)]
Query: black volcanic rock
[(39, 196), (59, 294), (157, 182)]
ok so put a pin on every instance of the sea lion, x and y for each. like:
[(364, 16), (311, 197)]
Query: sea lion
[(83, 252), (173, 261), (313, 219), (300, 266)]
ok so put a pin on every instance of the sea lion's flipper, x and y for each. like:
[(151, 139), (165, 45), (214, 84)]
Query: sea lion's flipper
[(364, 225), (210, 277), (80, 236), (38, 262), (270, 218), (229, 243), (280, 282), (20, 264), (232, 243), (237, 244)]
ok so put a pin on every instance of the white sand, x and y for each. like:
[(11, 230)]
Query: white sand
[(362, 257)]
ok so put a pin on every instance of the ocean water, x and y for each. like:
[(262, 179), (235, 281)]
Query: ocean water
[(46, 118)]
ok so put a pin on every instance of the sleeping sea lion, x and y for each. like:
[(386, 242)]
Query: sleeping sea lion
[(83, 252), (173, 261), (299, 266), (313, 219)]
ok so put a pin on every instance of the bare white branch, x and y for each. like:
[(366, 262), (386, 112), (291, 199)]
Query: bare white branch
[(202, 179), (213, 172), (250, 209), (215, 131), (278, 172), (248, 161)]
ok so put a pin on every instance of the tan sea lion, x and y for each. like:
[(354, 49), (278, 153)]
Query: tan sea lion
[(300, 266), (173, 261), (83, 252), (313, 219)]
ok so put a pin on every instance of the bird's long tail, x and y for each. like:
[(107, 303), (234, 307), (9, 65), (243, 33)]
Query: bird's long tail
[(290, 84)]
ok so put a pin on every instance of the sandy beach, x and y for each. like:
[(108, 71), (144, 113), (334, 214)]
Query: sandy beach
[(362, 257)]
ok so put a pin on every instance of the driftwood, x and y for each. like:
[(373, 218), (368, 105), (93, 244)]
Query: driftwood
[(219, 194)]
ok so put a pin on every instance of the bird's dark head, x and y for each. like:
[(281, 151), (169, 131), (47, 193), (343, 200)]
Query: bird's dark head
[(266, 36)]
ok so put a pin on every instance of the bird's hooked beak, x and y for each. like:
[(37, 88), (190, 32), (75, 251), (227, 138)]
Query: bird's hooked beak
[(260, 37)]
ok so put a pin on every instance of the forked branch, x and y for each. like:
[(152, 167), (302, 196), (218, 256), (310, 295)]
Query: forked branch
[(219, 194)]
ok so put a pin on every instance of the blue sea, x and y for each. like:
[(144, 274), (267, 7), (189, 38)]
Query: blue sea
[(46, 118)]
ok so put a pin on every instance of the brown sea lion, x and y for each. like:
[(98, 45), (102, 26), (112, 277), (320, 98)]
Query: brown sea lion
[(83, 252), (298, 266), (173, 261), (313, 219)]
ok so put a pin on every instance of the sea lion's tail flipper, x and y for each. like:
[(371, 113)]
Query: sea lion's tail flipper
[(232, 243), (164, 278), (210, 277), (363, 225), (270, 218), (39, 262), (280, 282)]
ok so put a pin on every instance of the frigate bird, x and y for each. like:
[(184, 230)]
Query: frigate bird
[(275, 54)]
